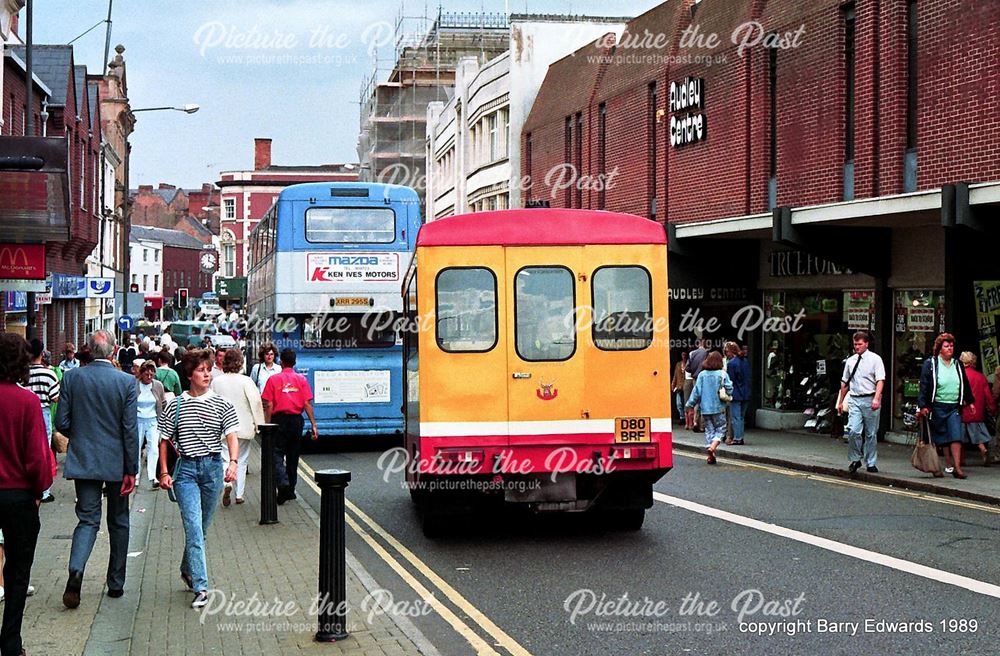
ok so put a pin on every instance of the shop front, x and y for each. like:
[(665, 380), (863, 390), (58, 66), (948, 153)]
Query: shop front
[(813, 307)]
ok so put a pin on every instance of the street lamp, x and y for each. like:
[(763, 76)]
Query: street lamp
[(187, 109)]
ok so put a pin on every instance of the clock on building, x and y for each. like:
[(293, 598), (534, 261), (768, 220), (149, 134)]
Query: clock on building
[(208, 261)]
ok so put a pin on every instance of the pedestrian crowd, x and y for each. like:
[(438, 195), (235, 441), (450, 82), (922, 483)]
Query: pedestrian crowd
[(189, 414), (957, 403)]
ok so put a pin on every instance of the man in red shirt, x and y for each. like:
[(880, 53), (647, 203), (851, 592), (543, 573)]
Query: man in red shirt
[(285, 396), (25, 473)]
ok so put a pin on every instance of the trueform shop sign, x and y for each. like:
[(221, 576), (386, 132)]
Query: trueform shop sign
[(687, 118)]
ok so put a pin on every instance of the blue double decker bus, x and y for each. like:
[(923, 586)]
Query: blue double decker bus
[(326, 267)]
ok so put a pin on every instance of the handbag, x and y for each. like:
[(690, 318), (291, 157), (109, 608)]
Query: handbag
[(173, 455), (925, 457), (724, 396)]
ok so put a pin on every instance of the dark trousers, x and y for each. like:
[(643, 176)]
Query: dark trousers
[(88, 511), (287, 445), (19, 523)]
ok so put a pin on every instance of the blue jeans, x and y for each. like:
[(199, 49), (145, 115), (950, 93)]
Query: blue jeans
[(862, 430), (198, 487), (47, 418), (736, 412), (88, 512), (715, 428)]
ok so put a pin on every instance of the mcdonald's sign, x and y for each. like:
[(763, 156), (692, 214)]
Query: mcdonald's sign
[(22, 261)]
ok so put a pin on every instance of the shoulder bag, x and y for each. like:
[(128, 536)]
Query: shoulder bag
[(925, 457), (724, 396), (173, 455)]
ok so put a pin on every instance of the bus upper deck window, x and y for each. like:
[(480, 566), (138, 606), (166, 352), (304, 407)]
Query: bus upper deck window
[(466, 310), (545, 317), (351, 225), (623, 304)]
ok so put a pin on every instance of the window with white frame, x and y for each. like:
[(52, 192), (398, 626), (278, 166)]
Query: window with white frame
[(229, 260), (145, 255), (145, 281), (491, 129), (156, 255), (229, 208), (156, 283)]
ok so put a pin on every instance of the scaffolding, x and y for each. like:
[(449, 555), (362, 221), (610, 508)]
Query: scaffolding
[(421, 70)]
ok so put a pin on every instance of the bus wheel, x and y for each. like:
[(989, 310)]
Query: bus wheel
[(629, 520)]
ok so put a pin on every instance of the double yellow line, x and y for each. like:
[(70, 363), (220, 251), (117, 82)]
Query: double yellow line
[(365, 527)]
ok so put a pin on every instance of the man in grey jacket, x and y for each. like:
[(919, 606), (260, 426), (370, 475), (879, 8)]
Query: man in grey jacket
[(97, 410)]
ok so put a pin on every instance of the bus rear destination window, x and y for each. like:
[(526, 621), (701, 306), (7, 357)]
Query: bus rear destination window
[(350, 225)]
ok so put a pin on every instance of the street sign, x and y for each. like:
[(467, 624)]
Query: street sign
[(126, 323)]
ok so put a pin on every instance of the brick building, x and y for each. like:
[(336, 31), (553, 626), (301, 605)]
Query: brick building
[(247, 195), (836, 162), (164, 261), (66, 112)]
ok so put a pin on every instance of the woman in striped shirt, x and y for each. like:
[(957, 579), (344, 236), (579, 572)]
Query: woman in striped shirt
[(196, 422)]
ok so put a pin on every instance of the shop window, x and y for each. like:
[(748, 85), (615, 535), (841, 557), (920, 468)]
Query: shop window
[(802, 367), (918, 318)]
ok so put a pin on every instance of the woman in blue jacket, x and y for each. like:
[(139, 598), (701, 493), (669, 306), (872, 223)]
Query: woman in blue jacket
[(713, 409), (944, 391)]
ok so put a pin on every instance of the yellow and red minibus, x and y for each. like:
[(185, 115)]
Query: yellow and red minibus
[(537, 364)]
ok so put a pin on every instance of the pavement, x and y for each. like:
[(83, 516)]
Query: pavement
[(822, 454), (268, 574)]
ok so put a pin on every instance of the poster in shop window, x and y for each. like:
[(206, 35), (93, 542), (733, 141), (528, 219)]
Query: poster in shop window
[(987, 315), (920, 319)]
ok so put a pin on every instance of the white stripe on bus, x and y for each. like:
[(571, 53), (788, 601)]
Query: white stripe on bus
[(555, 427)]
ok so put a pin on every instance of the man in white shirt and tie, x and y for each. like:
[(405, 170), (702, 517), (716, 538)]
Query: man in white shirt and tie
[(864, 377)]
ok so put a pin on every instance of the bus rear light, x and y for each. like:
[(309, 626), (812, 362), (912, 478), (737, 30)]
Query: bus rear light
[(460, 455), (633, 453)]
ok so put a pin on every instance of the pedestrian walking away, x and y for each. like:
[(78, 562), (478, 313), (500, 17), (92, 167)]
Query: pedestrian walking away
[(25, 472), (243, 394), (739, 372), (150, 401), (677, 385), (197, 422), (696, 360), (707, 393), (863, 380), (285, 397), (98, 413), (943, 393)]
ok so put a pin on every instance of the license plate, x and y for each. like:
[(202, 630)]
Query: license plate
[(352, 302), (631, 430)]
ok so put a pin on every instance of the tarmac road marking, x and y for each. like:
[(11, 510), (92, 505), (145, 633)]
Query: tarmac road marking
[(980, 587), (501, 638), (833, 480)]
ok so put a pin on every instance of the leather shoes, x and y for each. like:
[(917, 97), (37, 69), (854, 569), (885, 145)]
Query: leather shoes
[(873, 469), (71, 597), (958, 474), (114, 594), (855, 466)]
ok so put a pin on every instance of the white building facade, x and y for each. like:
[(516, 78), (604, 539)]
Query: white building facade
[(147, 267), (473, 141)]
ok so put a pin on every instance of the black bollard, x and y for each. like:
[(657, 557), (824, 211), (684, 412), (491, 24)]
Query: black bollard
[(332, 556), (268, 491)]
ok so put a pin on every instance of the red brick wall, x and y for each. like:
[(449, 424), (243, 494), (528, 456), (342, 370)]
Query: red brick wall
[(186, 263), (727, 174)]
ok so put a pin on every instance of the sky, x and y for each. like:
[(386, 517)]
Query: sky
[(288, 70)]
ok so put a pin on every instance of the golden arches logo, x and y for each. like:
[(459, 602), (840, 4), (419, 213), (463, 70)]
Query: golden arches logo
[(9, 257)]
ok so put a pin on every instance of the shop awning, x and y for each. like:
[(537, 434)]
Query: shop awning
[(34, 188)]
